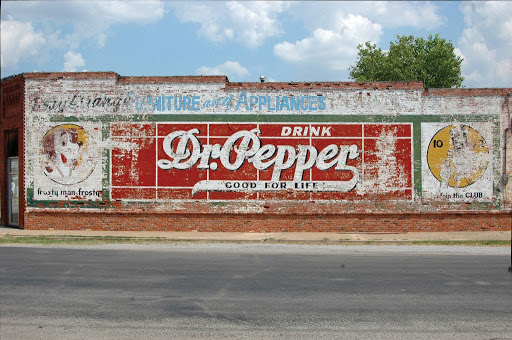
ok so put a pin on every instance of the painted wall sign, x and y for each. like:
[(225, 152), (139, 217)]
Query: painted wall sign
[(458, 164), (109, 140), (229, 161), (170, 103), (247, 102), (64, 154), (69, 164)]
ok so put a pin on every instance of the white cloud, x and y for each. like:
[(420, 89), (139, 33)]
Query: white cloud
[(232, 69), (258, 18), (106, 12), (359, 29), (247, 23), (408, 14), (45, 20), (19, 41), (73, 61), (205, 14), (98, 16), (490, 15), (140, 12), (329, 48), (389, 14), (486, 44)]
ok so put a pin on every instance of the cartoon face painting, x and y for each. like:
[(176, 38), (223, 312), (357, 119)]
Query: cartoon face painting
[(66, 155)]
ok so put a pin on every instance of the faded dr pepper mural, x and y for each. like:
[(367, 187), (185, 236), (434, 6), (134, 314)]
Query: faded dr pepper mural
[(229, 161)]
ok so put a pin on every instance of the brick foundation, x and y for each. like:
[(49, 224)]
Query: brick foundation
[(343, 223)]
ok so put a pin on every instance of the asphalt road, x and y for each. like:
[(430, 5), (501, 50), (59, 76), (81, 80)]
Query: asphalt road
[(255, 292)]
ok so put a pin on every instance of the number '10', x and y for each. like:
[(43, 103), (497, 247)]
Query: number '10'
[(437, 143)]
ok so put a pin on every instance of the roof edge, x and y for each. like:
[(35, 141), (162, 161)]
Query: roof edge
[(460, 92), (268, 86), (70, 75), (172, 79), (119, 78), (323, 85)]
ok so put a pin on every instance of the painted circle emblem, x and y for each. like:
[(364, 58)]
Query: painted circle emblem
[(457, 156), (67, 154)]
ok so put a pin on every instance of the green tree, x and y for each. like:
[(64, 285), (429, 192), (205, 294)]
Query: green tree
[(431, 61)]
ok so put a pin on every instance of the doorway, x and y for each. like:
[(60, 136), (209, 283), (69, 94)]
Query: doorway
[(13, 191)]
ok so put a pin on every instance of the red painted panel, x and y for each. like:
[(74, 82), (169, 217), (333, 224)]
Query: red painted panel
[(134, 163), (127, 129), (166, 128), (284, 130), (179, 177), (232, 195), (332, 174), (227, 129), (342, 196), (180, 194), (380, 160), (121, 129), (285, 195), (377, 130), (133, 193), (392, 156), (311, 130), (286, 174), (246, 172)]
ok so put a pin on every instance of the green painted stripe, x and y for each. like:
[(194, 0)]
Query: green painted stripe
[(105, 164), (497, 163), (242, 118), (417, 165)]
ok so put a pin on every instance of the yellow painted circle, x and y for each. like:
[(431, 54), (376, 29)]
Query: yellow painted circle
[(457, 156)]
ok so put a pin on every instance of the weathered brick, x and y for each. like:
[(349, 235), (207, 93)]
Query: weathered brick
[(421, 160)]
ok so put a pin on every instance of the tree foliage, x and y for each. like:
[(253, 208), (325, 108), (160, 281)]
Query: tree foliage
[(432, 61)]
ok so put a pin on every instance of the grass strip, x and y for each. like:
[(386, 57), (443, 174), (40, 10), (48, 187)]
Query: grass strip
[(96, 240), (74, 240)]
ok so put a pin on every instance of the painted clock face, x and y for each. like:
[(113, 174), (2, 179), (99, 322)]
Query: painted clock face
[(458, 156)]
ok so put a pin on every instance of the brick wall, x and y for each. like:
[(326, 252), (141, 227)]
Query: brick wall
[(398, 143), (11, 122)]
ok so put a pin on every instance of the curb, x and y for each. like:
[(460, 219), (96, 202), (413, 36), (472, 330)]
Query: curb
[(274, 237)]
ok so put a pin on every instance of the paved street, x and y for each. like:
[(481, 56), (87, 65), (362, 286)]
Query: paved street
[(253, 291)]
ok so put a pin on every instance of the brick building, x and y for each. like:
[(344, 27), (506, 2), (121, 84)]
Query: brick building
[(96, 150)]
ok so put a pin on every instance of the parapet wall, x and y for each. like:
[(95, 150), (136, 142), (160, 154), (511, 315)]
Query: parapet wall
[(200, 153)]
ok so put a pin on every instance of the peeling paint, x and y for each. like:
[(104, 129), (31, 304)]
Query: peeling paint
[(293, 149)]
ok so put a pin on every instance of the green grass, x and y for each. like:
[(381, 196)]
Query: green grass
[(76, 240), (96, 240), (481, 243), (488, 243)]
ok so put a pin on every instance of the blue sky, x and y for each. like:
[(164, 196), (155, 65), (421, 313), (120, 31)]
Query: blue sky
[(284, 41)]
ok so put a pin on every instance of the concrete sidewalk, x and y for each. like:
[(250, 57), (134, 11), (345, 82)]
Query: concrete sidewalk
[(291, 237)]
